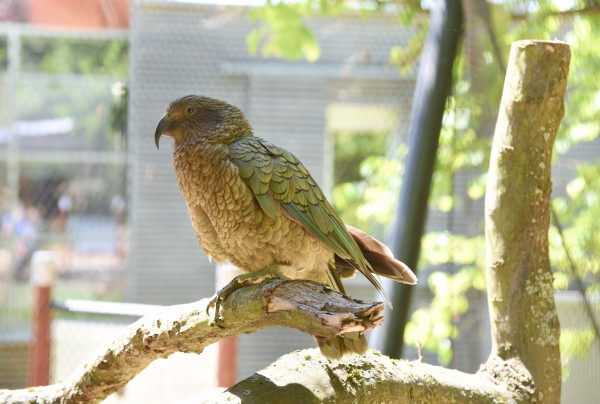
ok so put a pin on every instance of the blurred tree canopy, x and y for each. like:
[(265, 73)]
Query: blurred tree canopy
[(78, 78), (368, 201), (75, 55), (104, 62)]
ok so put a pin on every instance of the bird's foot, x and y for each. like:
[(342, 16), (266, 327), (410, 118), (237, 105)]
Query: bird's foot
[(240, 281)]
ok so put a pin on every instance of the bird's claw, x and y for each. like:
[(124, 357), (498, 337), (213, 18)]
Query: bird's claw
[(240, 281), (217, 318), (216, 302)]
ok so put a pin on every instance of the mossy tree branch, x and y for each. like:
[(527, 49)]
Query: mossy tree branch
[(305, 305), (524, 365), (307, 377)]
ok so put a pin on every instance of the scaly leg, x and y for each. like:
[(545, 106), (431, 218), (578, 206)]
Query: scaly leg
[(240, 281)]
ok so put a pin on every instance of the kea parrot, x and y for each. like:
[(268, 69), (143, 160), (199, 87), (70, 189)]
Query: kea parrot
[(255, 205)]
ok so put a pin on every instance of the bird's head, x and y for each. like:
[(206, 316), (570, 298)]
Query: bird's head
[(196, 118)]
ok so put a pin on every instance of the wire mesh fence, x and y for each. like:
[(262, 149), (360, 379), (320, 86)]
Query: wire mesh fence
[(81, 177), (63, 169)]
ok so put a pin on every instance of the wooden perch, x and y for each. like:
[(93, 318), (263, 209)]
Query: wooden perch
[(524, 365), (305, 305)]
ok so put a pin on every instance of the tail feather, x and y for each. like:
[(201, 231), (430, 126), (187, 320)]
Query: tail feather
[(380, 261), (347, 344)]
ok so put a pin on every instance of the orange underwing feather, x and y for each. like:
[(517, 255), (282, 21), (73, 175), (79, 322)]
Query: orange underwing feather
[(381, 258)]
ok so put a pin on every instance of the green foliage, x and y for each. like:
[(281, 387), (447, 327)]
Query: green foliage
[(351, 150), (575, 343), (88, 100), (3, 53), (579, 210), (87, 103), (369, 200), (464, 146), (460, 148), (68, 55), (405, 57), (435, 326), (283, 33), (582, 117)]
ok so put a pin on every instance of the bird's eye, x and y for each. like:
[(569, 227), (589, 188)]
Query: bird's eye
[(190, 110)]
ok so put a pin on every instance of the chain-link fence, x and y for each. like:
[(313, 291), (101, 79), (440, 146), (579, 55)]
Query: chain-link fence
[(63, 171)]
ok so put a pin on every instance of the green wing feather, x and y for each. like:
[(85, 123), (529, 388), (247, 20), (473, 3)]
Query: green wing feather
[(277, 178)]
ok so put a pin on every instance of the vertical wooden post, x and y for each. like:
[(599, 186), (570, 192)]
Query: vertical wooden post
[(525, 328), (42, 274), (228, 348), (228, 351)]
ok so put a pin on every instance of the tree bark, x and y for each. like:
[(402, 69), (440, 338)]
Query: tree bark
[(307, 377), (524, 365), (525, 327), (305, 305)]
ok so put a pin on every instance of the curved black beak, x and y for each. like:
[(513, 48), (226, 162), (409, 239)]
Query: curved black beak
[(162, 126)]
